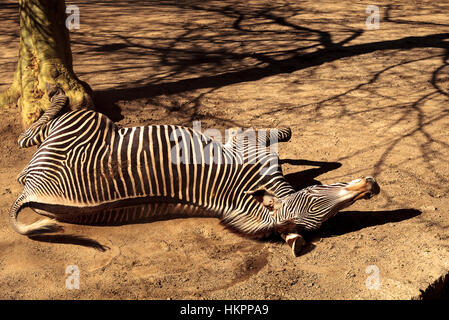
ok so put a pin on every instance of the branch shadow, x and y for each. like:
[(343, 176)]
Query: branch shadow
[(197, 59), (110, 97)]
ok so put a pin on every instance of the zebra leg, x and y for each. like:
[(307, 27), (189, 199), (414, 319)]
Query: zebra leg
[(21, 178), (261, 137), (274, 135), (38, 227), (295, 241), (38, 131)]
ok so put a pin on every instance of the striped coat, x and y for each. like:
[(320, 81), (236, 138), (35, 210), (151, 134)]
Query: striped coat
[(87, 170)]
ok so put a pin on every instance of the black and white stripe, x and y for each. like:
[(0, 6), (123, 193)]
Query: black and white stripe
[(87, 170)]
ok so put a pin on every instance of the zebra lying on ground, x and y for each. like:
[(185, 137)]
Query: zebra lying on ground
[(88, 171)]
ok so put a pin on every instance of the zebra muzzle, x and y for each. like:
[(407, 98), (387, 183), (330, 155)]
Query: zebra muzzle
[(365, 188)]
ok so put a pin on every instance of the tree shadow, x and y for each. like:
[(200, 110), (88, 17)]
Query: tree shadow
[(288, 65), (214, 61)]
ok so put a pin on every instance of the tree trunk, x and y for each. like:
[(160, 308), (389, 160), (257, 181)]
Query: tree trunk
[(45, 58)]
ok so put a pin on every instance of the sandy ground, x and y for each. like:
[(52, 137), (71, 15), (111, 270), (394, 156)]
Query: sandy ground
[(359, 101)]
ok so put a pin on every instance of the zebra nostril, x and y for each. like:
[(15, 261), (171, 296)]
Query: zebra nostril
[(374, 186)]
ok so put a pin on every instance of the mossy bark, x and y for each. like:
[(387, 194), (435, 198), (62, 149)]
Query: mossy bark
[(45, 58)]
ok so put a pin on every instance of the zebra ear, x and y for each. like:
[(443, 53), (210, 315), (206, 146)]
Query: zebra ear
[(267, 198)]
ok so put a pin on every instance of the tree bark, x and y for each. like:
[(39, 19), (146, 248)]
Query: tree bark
[(45, 58)]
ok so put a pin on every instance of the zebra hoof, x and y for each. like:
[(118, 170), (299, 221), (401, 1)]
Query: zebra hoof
[(296, 243), (297, 246)]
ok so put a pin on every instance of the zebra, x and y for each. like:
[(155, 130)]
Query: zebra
[(87, 170)]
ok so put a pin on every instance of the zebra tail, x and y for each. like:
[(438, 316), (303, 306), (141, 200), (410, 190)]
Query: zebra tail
[(38, 227)]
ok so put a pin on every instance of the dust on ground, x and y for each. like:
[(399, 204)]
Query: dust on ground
[(360, 102)]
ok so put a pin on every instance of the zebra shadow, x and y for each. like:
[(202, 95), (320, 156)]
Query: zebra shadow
[(347, 222), (70, 239), (343, 223), (305, 178), (352, 221)]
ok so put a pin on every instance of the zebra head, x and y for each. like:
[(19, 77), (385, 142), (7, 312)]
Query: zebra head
[(310, 207)]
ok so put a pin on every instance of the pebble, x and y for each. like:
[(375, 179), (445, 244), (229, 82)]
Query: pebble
[(429, 208)]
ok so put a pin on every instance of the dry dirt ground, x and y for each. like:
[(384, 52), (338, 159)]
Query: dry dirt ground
[(359, 101)]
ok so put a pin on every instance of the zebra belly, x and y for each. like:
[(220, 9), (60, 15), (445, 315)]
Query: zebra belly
[(123, 212)]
